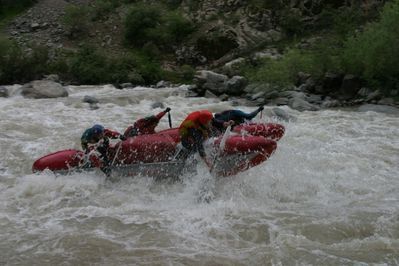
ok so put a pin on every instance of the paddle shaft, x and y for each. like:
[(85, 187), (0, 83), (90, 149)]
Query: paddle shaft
[(170, 120)]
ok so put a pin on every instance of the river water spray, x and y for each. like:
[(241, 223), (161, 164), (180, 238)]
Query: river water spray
[(328, 196)]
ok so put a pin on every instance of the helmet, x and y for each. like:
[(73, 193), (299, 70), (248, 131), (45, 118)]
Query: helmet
[(98, 129), (205, 116)]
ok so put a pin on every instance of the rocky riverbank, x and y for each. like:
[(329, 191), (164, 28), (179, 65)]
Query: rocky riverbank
[(213, 85)]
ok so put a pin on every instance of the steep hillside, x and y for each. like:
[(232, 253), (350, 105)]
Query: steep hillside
[(97, 41)]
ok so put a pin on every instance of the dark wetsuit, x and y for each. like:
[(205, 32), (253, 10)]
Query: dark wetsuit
[(237, 116)]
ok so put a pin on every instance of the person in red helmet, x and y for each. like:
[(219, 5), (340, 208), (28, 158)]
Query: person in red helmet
[(145, 125), (195, 129)]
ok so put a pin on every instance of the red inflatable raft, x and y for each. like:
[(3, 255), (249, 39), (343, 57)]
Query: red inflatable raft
[(154, 154)]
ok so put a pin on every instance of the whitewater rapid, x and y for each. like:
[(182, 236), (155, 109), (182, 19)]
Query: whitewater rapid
[(328, 196)]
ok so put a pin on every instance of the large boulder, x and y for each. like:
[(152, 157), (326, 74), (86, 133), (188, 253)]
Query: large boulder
[(302, 105), (39, 89), (208, 80), (236, 85), (331, 83), (349, 87)]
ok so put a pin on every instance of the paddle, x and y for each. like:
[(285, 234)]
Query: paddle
[(170, 120)]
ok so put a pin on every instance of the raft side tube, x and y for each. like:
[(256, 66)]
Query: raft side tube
[(60, 160)]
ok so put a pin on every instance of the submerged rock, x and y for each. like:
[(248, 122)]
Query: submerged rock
[(4, 92)]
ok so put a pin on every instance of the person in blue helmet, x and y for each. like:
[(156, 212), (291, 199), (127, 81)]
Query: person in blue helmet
[(97, 138), (238, 116)]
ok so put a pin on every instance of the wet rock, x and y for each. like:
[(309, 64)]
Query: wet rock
[(314, 99), (94, 106), (157, 105), (349, 87), (330, 104), (52, 77), (223, 97), (3, 92), (208, 80), (43, 89), (302, 105), (373, 96), (364, 92), (386, 101), (90, 99), (163, 84), (232, 67), (236, 85), (331, 82), (126, 85), (257, 95), (281, 101), (283, 115), (209, 94)]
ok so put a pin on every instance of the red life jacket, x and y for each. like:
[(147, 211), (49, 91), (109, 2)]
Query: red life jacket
[(198, 120), (144, 126)]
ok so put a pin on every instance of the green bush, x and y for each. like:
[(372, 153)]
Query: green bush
[(216, 44), (139, 22), (76, 21), (14, 6), (149, 68), (102, 8), (176, 27), (89, 66), (184, 74), (266, 4), (151, 24), (92, 66), (373, 54), (340, 21), (292, 23), (17, 65), (284, 71)]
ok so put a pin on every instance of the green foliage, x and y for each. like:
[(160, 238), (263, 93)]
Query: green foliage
[(92, 66), (341, 21), (373, 54), (193, 5), (292, 23), (215, 45), (11, 8), (145, 24), (283, 71), (102, 8), (266, 4), (172, 4), (184, 74), (149, 68), (8, 7), (89, 66), (17, 65), (139, 22), (176, 27), (76, 21)]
